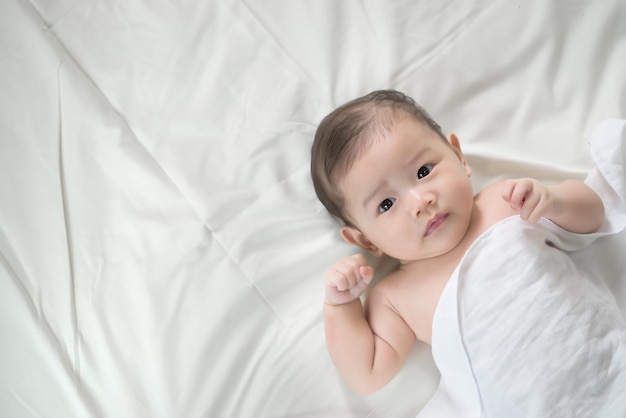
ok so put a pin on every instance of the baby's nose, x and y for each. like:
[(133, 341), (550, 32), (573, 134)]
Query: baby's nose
[(421, 201)]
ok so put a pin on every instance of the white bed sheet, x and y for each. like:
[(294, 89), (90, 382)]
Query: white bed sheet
[(162, 252)]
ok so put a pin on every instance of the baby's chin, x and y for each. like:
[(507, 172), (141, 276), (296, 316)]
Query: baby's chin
[(420, 258), (440, 250)]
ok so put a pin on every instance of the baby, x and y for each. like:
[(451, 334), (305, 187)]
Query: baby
[(402, 188)]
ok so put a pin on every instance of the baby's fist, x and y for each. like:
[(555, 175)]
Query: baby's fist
[(347, 279), (530, 197)]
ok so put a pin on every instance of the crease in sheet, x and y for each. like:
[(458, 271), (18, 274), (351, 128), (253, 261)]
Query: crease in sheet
[(404, 74), (60, 19), (280, 45), (68, 238), (25, 404)]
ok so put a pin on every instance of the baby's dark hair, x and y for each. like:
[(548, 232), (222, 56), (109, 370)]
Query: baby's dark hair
[(347, 131)]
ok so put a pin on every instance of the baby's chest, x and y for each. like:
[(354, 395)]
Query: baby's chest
[(416, 301)]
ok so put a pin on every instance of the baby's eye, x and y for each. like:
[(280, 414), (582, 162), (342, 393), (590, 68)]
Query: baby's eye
[(424, 171), (386, 204)]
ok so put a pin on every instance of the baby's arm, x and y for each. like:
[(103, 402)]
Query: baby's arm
[(367, 351), (571, 204)]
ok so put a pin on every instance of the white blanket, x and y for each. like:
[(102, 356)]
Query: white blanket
[(528, 325)]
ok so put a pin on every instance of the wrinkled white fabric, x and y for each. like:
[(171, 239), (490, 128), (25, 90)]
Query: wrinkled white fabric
[(162, 251), (528, 325)]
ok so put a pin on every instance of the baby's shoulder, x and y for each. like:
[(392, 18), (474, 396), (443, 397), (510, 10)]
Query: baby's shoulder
[(384, 287), (491, 203), (492, 190), (407, 280)]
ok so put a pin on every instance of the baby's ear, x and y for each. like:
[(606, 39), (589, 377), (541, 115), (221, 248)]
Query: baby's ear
[(353, 236), (456, 146)]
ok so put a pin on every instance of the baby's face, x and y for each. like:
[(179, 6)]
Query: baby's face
[(409, 194)]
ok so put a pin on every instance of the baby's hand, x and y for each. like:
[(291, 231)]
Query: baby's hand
[(531, 198), (347, 279)]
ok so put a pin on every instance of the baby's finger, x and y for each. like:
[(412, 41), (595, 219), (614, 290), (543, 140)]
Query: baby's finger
[(366, 273), (359, 266), (359, 259), (540, 209), (529, 206), (507, 190), (359, 288), (519, 194), (345, 280), (342, 283)]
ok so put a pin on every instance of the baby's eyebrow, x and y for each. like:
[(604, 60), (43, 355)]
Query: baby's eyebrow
[(416, 157), (373, 193)]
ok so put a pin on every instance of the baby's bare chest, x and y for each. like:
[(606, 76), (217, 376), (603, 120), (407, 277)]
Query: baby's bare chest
[(416, 294)]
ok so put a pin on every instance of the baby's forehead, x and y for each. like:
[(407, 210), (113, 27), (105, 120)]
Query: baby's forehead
[(381, 121), (382, 125)]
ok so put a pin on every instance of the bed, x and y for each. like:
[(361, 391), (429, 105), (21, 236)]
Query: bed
[(162, 251)]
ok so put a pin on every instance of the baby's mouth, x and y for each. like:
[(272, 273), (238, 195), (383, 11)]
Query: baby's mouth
[(434, 223)]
